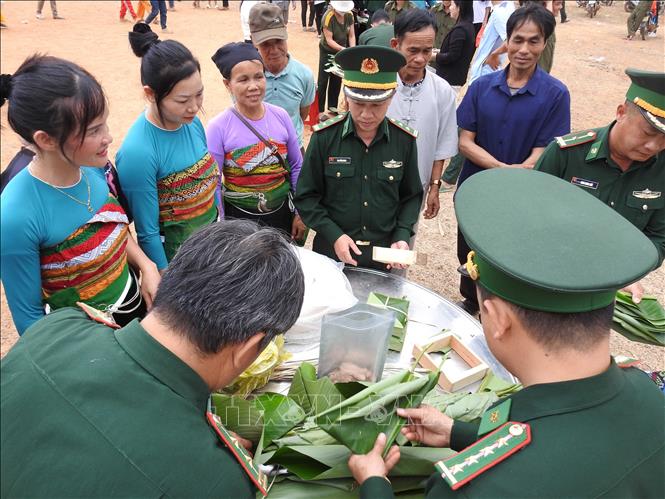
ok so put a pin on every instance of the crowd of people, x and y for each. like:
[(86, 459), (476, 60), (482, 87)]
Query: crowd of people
[(216, 210)]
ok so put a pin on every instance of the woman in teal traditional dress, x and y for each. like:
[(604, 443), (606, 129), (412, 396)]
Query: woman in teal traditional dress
[(165, 170), (65, 237)]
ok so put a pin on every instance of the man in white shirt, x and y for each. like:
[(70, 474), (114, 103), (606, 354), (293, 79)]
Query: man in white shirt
[(425, 102)]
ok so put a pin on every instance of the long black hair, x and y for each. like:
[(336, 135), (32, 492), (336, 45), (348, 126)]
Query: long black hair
[(53, 95), (465, 11), (163, 63)]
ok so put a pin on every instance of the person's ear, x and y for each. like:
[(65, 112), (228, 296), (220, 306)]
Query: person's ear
[(622, 111), (44, 141), (245, 353), (393, 43), (149, 93), (501, 316)]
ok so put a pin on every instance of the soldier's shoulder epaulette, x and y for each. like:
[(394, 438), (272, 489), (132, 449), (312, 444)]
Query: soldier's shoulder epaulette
[(576, 138), (330, 122), (411, 131), (484, 454)]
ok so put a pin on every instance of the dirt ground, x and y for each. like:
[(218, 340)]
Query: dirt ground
[(590, 59)]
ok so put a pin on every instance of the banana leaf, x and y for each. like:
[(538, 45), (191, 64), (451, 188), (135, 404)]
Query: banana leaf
[(471, 407), (502, 388), (649, 307), (313, 395), (239, 415), (325, 462), (401, 308), (314, 436), (280, 414), (633, 329), (358, 424), (461, 406)]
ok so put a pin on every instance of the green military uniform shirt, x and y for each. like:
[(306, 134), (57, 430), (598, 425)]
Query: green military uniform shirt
[(88, 411), (378, 35), (444, 23), (371, 193), (546, 60), (601, 436), (394, 12), (638, 193)]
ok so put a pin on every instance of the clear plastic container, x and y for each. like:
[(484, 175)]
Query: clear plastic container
[(354, 343)]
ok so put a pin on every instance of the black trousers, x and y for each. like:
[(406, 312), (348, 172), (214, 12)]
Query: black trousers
[(303, 13), (327, 83), (563, 12), (319, 9)]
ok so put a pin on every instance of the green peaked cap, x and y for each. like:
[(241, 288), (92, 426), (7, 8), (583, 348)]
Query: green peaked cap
[(647, 91), (370, 71), (545, 244)]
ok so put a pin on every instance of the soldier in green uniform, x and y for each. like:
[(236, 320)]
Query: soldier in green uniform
[(581, 426), (444, 22), (89, 411), (395, 8), (359, 186), (623, 163), (636, 16)]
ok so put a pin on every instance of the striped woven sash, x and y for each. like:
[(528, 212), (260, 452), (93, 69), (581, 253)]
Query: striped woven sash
[(251, 170), (189, 193), (90, 264)]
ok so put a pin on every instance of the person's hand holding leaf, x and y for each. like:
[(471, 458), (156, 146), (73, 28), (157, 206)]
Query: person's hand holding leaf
[(427, 425), (373, 463)]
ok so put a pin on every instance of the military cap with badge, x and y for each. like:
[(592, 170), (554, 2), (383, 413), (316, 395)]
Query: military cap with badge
[(568, 252)]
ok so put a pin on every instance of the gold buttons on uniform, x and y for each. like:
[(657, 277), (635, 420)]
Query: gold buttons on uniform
[(391, 178), (365, 177), (644, 207), (339, 174), (364, 228), (365, 203)]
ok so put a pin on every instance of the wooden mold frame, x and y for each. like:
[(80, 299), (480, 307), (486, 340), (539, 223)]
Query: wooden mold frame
[(476, 371)]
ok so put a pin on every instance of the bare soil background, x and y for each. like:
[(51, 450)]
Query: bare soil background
[(590, 59)]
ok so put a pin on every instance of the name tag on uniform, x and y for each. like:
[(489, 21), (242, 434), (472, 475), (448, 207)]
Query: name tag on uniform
[(339, 160), (392, 164), (646, 194), (589, 184)]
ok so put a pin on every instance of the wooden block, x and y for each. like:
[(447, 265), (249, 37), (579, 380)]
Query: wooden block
[(476, 371), (392, 255)]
